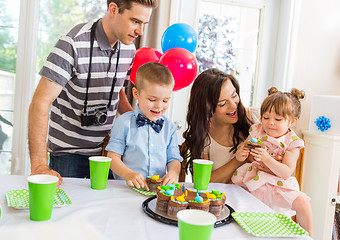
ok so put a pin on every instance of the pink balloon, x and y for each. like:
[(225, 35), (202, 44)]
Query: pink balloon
[(143, 55), (182, 64)]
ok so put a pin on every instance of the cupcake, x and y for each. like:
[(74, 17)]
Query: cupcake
[(216, 202), (254, 143), (200, 203), (153, 182), (220, 194), (163, 198), (177, 204), (190, 195)]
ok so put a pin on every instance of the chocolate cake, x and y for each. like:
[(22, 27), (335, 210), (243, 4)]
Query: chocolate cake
[(173, 198)]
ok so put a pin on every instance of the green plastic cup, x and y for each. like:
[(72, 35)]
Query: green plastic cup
[(99, 171), (42, 190), (195, 224), (202, 173)]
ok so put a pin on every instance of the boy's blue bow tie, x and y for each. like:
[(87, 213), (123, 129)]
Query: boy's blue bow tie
[(141, 120)]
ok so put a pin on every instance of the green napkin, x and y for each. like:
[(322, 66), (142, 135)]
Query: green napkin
[(20, 198), (268, 224), (143, 191)]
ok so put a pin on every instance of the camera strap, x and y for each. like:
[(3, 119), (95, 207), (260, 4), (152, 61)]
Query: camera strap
[(93, 29)]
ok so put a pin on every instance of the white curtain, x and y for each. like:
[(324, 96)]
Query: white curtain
[(154, 30)]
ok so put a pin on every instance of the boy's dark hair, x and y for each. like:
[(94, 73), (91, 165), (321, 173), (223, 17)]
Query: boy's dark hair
[(127, 4), (154, 73)]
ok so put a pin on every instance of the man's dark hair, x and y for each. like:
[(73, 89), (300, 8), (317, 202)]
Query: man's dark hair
[(127, 4)]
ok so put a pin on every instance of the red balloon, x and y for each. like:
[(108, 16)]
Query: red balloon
[(182, 64), (143, 55)]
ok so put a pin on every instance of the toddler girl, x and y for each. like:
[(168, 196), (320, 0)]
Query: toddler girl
[(267, 173)]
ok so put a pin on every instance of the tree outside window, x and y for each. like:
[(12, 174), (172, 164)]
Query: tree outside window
[(56, 18)]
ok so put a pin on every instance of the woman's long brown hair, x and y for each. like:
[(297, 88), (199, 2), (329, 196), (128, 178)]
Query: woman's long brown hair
[(204, 96)]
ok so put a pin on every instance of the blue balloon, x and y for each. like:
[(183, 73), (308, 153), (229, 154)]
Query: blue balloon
[(179, 35)]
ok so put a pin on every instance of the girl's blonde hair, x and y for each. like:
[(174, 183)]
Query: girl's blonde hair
[(285, 104)]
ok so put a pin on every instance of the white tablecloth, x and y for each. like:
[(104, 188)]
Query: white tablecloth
[(113, 213)]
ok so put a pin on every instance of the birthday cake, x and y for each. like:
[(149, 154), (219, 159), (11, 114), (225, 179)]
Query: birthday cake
[(173, 198)]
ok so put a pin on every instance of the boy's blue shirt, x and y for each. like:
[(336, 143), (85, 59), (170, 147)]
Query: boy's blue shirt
[(143, 150)]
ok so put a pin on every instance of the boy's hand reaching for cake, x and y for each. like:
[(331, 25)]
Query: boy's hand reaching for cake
[(173, 168), (170, 177), (134, 179)]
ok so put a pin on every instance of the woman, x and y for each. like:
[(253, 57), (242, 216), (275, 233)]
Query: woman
[(217, 123)]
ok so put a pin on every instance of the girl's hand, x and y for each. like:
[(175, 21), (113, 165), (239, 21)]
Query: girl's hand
[(170, 177), (262, 167), (278, 158), (134, 179), (261, 154), (242, 153)]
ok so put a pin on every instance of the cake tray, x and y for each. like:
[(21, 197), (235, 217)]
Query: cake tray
[(149, 207)]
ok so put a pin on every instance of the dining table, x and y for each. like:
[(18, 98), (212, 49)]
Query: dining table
[(113, 213)]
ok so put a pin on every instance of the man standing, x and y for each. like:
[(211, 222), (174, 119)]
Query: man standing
[(81, 87)]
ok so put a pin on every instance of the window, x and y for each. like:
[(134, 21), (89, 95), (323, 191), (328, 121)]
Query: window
[(57, 17), (9, 22), (264, 46), (228, 40), (41, 24)]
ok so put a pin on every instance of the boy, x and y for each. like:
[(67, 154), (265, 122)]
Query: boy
[(144, 142)]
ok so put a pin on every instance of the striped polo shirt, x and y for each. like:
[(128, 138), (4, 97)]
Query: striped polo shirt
[(67, 65)]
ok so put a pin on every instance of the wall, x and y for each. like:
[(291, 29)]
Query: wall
[(317, 55)]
